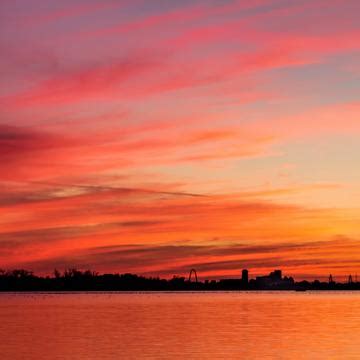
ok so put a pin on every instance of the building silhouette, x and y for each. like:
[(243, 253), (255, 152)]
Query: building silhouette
[(274, 281), (245, 277), (77, 280)]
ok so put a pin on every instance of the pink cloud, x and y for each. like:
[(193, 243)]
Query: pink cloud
[(96, 123)]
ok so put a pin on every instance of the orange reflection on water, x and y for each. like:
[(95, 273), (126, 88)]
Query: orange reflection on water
[(180, 326)]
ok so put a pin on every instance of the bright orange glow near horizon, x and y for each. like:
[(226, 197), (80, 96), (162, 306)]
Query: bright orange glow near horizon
[(156, 137)]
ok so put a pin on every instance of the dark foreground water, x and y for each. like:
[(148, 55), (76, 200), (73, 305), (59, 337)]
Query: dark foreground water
[(278, 325)]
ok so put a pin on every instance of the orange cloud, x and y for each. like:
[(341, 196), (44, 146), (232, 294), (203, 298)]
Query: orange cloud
[(119, 128)]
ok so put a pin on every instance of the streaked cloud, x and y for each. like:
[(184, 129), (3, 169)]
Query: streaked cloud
[(157, 136)]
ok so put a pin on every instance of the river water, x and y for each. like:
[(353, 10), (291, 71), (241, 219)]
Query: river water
[(224, 325)]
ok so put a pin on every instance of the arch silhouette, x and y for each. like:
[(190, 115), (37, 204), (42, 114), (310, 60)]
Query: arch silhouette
[(193, 271)]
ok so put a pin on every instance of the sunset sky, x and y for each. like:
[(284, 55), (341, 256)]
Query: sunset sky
[(157, 136)]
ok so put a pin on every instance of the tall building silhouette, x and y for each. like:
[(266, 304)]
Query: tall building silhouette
[(245, 276)]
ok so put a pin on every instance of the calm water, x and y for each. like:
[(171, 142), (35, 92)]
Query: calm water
[(180, 326)]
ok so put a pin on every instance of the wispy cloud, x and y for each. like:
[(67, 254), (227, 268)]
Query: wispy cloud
[(222, 260), (155, 136)]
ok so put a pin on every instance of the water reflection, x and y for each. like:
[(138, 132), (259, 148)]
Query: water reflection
[(285, 325)]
